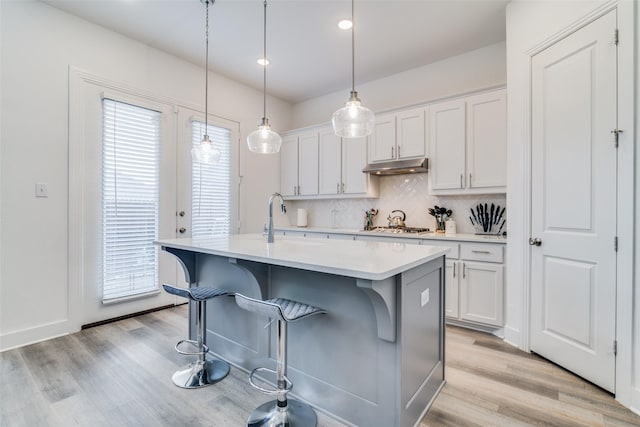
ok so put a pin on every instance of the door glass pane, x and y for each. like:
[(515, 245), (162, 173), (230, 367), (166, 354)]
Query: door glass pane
[(211, 185), (130, 199)]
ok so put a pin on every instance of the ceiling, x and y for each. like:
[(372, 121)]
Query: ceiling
[(309, 55)]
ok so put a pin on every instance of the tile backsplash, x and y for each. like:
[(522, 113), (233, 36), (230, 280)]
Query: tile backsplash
[(408, 193)]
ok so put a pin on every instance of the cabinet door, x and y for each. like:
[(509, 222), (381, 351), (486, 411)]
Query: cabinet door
[(308, 164), (289, 166), (487, 140), (354, 158), (330, 177), (451, 289), (383, 138), (481, 292), (447, 145), (410, 136)]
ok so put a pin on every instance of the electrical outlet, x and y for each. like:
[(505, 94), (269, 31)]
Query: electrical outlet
[(42, 189), (424, 297)]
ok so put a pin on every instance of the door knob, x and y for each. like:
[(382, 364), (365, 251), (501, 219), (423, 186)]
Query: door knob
[(181, 213), (535, 242), (182, 230)]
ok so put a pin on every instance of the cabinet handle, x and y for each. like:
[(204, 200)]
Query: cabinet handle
[(461, 177), (481, 252), (454, 269), (392, 155), (398, 151), (337, 188), (470, 181), (342, 189), (464, 270)]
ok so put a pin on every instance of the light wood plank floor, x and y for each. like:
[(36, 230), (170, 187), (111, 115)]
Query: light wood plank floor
[(120, 375)]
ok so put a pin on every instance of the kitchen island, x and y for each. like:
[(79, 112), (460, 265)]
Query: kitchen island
[(375, 359)]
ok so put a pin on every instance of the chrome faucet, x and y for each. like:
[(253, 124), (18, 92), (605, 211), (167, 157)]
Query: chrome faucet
[(283, 209)]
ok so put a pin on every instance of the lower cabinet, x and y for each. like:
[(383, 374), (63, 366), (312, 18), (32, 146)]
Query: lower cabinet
[(474, 287)]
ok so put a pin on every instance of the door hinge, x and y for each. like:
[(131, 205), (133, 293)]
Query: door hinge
[(616, 38), (615, 347), (615, 243), (616, 135)]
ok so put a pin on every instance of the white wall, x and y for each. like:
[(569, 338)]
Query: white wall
[(39, 43), (529, 24), (478, 69)]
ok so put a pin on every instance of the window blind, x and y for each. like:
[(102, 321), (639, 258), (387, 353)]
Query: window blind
[(130, 199), (211, 184)]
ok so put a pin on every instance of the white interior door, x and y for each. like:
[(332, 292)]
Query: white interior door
[(573, 269)]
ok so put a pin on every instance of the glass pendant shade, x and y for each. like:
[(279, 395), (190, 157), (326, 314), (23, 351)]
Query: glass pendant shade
[(353, 120), (263, 140), (205, 152)]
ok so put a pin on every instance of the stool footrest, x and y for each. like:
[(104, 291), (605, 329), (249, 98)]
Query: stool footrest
[(273, 391), (205, 349)]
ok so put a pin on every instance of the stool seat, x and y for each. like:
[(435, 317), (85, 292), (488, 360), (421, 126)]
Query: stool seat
[(278, 308), (281, 412), (200, 293), (203, 371)]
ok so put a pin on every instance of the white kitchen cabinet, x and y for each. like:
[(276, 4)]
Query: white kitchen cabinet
[(340, 165), (289, 166), (451, 288), (467, 144), (474, 284), (398, 135), (299, 165), (481, 292)]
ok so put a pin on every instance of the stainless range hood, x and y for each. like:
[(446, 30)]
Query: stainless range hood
[(397, 167)]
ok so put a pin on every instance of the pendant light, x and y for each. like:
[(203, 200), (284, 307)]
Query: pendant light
[(206, 152), (353, 120), (264, 140)]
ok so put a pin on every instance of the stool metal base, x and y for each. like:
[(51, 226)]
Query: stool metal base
[(201, 374), (296, 414)]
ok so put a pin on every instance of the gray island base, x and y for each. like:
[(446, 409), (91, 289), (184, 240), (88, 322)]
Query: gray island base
[(375, 359)]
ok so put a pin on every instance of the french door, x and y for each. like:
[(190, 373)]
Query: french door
[(138, 185), (128, 200), (573, 205)]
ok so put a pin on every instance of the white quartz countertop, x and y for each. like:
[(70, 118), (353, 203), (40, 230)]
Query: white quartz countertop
[(486, 238), (371, 260)]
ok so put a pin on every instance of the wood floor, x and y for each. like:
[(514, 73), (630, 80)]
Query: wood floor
[(120, 375)]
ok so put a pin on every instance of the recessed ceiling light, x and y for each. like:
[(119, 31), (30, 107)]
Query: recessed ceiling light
[(263, 61), (345, 24)]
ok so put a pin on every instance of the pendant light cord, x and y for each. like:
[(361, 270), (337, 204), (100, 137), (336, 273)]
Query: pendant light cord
[(353, 49), (264, 57), (206, 72)]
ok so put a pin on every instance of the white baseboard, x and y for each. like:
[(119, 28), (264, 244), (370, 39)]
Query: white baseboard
[(35, 334), (513, 337)]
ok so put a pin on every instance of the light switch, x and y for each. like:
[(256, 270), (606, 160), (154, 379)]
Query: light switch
[(42, 189), (424, 297)]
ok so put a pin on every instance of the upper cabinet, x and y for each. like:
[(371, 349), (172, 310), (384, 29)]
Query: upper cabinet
[(398, 135), (468, 144), (340, 166), (299, 164), (319, 164)]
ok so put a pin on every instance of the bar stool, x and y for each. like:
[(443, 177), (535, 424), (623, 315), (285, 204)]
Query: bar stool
[(279, 412), (202, 371)]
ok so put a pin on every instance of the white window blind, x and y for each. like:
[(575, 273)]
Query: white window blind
[(211, 184), (130, 199)]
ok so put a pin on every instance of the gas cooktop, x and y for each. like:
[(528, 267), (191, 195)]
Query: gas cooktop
[(400, 230)]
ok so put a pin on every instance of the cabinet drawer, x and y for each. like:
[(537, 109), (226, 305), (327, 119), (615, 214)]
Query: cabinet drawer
[(454, 252), (482, 252)]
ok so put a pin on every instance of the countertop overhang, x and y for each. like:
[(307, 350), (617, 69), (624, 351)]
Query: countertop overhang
[(370, 260)]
